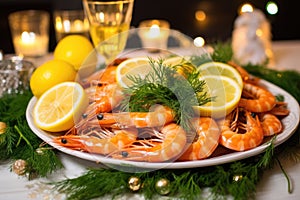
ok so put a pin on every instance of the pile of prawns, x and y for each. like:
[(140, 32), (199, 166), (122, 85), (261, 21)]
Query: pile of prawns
[(154, 136)]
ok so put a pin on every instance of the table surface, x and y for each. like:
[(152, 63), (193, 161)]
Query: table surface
[(273, 184)]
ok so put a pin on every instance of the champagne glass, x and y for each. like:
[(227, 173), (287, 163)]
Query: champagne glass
[(109, 25)]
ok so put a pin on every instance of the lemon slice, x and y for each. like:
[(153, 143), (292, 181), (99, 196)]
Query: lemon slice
[(227, 93), (223, 69), (181, 64), (60, 107), (138, 66), (175, 60)]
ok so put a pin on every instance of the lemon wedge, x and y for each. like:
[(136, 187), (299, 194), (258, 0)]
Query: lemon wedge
[(137, 66), (223, 69), (60, 107), (227, 93)]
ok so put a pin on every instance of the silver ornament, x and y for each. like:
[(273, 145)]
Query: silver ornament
[(163, 186)]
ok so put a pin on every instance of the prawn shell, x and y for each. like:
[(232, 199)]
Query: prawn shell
[(242, 141), (207, 134), (263, 99)]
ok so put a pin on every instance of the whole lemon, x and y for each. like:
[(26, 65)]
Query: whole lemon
[(77, 50), (49, 74)]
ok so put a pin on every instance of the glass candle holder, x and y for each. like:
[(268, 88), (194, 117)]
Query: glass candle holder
[(15, 75), (68, 22), (154, 34), (30, 32)]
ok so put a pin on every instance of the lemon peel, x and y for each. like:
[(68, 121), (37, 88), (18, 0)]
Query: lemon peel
[(227, 93), (60, 107)]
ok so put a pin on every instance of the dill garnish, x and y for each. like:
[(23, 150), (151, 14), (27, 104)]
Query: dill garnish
[(164, 85)]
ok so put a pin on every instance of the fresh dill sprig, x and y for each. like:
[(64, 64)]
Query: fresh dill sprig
[(165, 86)]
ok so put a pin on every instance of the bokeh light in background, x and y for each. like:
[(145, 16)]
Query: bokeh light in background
[(200, 15), (212, 20), (199, 42), (246, 7), (272, 8)]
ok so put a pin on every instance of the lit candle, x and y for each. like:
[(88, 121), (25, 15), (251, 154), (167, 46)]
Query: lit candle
[(31, 44), (68, 27), (154, 34)]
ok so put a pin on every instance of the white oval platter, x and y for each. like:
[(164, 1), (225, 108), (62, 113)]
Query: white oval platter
[(290, 123)]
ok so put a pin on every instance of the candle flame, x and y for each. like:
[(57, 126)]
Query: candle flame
[(28, 37), (154, 31), (58, 24), (67, 25), (101, 16)]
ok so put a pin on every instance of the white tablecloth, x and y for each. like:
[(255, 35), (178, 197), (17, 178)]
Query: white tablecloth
[(272, 186)]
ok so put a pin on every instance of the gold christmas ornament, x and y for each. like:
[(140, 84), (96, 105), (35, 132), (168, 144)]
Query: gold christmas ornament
[(134, 183), (163, 186), (2, 127), (237, 178), (19, 167)]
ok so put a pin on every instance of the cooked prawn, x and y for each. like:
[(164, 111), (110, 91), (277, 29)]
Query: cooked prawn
[(263, 99), (104, 97), (247, 78), (206, 140), (280, 109), (271, 125), (243, 137), (167, 145), (103, 76), (103, 142), (160, 116)]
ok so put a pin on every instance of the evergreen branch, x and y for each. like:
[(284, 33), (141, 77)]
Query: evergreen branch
[(185, 183), (267, 159), (22, 137), (285, 175), (95, 183), (18, 137), (222, 52), (288, 80)]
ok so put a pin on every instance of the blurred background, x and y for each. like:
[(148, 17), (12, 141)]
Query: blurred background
[(212, 20)]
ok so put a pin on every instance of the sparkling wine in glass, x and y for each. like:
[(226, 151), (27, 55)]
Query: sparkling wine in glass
[(109, 24)]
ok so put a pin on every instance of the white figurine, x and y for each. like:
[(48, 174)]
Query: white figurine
[(251, 38)]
